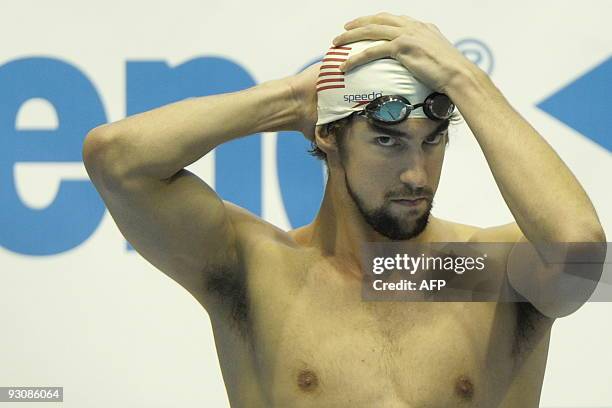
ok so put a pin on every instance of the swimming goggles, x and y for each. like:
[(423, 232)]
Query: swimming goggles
[(395, 108)]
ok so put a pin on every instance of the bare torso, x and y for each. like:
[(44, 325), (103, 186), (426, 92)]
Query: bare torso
[(294, 332)]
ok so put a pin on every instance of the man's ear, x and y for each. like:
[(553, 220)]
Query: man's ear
[(325, 140)]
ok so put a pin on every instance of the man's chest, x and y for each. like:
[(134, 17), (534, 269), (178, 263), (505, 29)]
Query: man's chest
[(316, 343)]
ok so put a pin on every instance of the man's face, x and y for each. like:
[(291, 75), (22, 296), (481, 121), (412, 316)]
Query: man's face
[(383, 165)]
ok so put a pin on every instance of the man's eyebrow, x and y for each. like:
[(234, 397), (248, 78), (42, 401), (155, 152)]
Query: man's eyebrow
[(394, 132)]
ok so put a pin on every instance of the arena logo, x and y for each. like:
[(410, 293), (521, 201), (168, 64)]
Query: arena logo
[(77, 210)]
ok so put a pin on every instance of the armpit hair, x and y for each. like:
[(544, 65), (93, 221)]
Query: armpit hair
[(229, 288), (527, 320)]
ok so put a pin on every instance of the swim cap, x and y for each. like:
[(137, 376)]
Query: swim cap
[(339, 94)]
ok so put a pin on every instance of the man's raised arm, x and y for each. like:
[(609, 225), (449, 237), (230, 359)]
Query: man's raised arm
[(169, 215)]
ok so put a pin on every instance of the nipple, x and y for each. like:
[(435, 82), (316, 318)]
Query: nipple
[(464, 387), (307, 380)]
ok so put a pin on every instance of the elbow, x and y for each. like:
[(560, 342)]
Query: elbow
[(95, 145), (102, 157)]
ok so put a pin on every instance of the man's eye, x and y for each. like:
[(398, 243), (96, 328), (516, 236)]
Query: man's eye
[(435, 139), (385, 141)]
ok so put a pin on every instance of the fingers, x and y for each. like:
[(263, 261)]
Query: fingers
[(379, 18), (381, 26), (367, 55), (368, 32)]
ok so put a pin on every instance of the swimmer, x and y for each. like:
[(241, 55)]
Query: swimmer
[(290, 326)]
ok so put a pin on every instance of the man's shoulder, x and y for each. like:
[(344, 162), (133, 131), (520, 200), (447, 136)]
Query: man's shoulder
[(452, 231), (252, 229)]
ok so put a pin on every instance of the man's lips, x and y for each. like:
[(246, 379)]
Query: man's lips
[(410, 198), (410, 202)]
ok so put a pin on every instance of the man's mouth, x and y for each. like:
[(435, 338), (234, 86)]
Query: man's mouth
[(410, 202)]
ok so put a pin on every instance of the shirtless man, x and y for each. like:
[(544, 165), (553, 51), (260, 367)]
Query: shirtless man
[(289, 323)]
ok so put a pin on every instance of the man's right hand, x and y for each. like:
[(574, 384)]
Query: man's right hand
[(304, 91)]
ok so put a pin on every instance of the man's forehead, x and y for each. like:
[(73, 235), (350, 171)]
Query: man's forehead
[(409, 126)]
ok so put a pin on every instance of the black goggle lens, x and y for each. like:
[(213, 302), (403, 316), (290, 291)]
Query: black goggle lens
[(393, 109), (441, 106)]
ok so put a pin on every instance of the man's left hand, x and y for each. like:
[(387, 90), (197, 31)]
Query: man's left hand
[(419, 46)]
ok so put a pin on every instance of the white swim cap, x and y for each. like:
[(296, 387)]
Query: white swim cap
[(339, 94)]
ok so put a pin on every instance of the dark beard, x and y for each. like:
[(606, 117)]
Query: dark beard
[(383, 222)]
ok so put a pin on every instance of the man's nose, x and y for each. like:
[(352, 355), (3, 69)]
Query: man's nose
[(414, 172)]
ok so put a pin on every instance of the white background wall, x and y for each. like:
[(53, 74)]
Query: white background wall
[(114, 331)]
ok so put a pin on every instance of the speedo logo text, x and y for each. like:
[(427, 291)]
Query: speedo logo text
[(361, 97)]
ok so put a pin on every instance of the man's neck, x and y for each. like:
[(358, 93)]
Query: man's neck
[(339, 230)]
